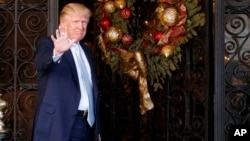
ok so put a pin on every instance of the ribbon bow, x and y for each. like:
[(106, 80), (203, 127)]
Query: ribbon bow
[(134, 65)]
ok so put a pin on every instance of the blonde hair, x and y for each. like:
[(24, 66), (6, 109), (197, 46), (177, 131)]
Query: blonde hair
[(72, 8)]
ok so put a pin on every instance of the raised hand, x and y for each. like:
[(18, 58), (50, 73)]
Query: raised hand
[(61, 41)]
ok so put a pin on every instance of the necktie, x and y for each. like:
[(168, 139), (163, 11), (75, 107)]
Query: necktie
[(85, 78)]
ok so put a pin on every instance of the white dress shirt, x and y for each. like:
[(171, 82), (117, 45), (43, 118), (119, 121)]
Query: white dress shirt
[(84, 102)]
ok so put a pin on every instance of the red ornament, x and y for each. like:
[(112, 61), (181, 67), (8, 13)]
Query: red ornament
[(105, 23), (127, 39), (126, 13), (158, 35)]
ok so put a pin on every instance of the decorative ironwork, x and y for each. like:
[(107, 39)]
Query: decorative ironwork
[(189, 96), (21, 24), (237, 60)]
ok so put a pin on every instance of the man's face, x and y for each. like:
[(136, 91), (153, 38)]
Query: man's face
[(76, 26)]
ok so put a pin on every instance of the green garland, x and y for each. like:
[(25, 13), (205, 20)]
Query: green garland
[(158, 66)]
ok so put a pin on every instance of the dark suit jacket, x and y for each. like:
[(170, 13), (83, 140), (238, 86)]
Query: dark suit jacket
[(59, 93)]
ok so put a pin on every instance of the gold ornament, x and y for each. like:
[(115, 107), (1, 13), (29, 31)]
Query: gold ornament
[(167, 50), (113, 34), (170, 16), (109, 7), (120, 3)]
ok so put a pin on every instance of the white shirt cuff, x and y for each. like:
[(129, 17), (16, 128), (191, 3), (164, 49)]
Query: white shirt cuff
[(56, 57)]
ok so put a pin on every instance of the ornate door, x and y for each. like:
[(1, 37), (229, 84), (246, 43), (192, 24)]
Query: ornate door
[(231, 97), (22, 22), (232, 41)]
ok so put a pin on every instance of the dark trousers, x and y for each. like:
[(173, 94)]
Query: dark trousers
[(81, 130)]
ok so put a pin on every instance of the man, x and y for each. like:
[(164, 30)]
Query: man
[(68, 108)]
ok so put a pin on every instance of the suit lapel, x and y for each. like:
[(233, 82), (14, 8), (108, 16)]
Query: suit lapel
[(69, 56)]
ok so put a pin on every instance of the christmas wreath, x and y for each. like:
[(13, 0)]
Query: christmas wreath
[(157, 52)]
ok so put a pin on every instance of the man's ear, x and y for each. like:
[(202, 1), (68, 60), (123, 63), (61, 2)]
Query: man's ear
[(62, 29)]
